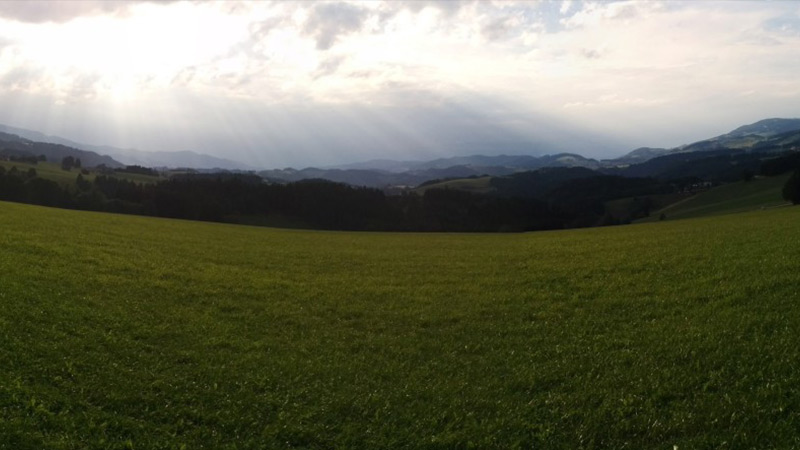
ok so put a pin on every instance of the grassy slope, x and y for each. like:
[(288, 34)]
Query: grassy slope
[(481, 185), (621, 208), (49, 171), (54, 172), (130, 332), (728, 198)]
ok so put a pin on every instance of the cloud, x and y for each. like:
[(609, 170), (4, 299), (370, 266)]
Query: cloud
[(592, 14), (590, 53), (500, 28), (82, 86), (40, 11), (5, 42), (448, 8), (328, 66), (71, 87), (327, 22), (786, 25), (184, 77), (610, 63), (22, 78)]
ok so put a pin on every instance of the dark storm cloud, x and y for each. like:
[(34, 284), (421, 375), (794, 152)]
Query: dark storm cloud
[(328, 21)]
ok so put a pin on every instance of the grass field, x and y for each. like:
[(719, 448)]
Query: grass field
[(54, 172), (480, 185), (621, 207), (760, 193), (47, 170), (130, 332)]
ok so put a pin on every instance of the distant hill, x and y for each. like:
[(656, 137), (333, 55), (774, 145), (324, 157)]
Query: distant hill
[(536, 184), (769, 135), (14, 145), (186, 159), (637, 156), (518, 162), (759, 136), (383, 172), (765, 128), (764, 135), (760, 193), (380, 178)]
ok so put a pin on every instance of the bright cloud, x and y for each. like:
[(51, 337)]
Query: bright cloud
[(369, 74)]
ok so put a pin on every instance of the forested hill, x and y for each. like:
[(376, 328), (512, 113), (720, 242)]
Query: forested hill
[(552, 198), (13, 145)]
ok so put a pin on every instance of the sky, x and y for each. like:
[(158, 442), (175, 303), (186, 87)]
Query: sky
[(277, 84)]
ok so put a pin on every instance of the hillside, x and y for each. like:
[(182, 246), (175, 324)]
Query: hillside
[(764, 135), (770, 135), (13, 145), (130, 156), (760, 193), (748, 142), (131, 332), (478, 185), (54, 172), (765, 128)]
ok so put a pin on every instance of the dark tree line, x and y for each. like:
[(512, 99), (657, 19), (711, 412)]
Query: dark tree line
[(310, 204), (68, 162), (138, 169), (549, 199)]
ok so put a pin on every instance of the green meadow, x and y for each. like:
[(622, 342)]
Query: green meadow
[(130, 332), (742, 196), (54, 172), (47, 170), (479, 185)]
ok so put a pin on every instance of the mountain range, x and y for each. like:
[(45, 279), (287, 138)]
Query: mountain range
[(763, 136), (769, 135), (117, 157)]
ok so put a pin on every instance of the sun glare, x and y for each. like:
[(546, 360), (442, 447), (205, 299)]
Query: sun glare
[(121, 55)]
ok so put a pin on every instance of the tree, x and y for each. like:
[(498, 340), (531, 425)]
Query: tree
[(77, 164), (791, 190), (68, 163), (83, 185)]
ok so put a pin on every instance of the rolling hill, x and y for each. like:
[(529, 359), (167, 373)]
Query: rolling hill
[(13, 145), (131, 332), (182, 159), (758, 194), (769, 135)]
